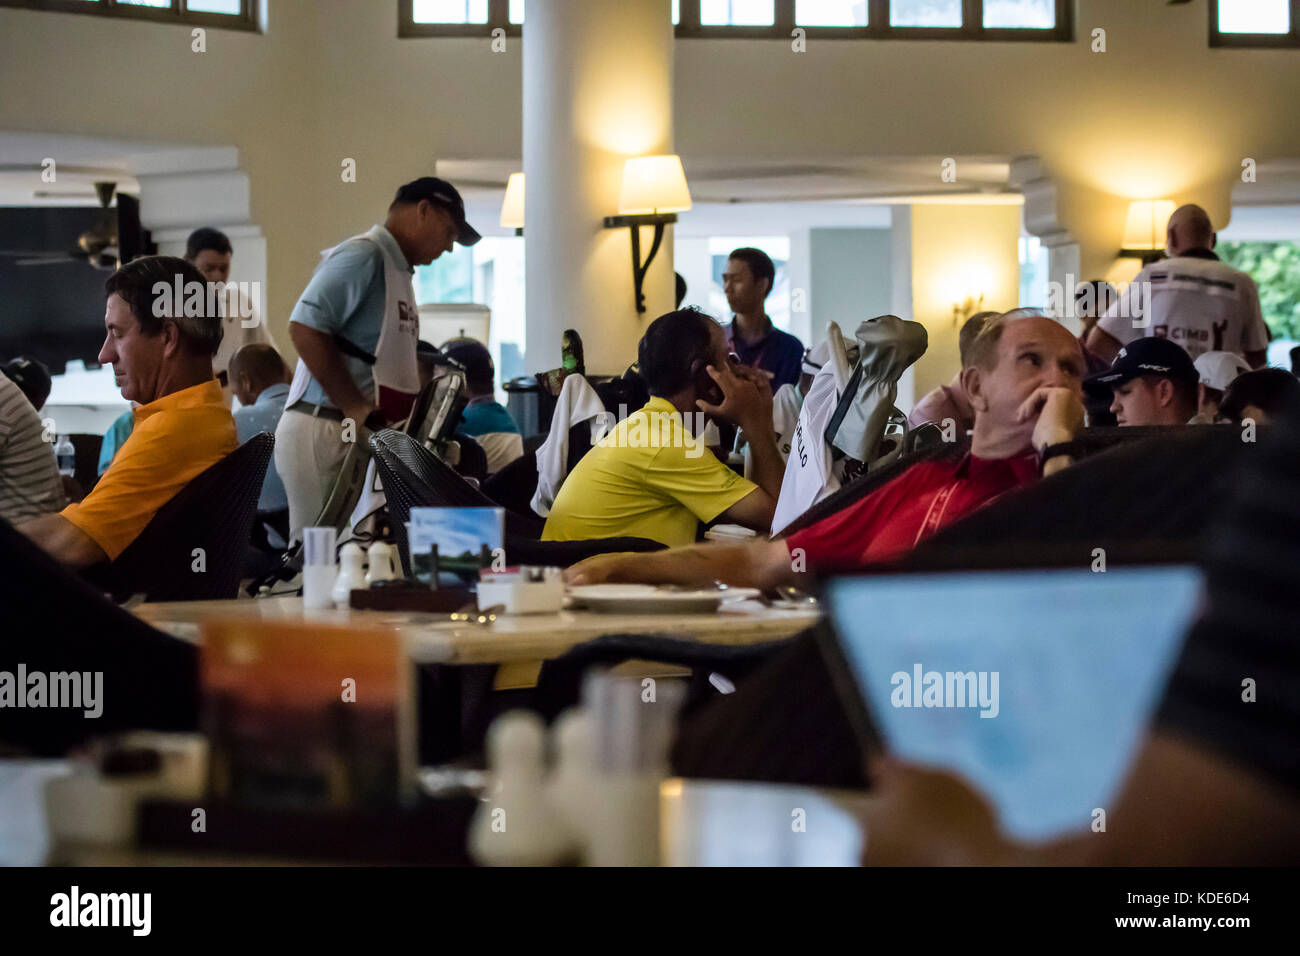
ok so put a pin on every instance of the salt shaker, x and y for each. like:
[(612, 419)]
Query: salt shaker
[(351, 575)]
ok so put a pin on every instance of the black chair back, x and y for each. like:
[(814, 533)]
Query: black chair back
[(214, 513), (413, 477), (559, 684)]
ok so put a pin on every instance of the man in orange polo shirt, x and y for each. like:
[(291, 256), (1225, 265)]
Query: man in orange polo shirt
[(161, 336)]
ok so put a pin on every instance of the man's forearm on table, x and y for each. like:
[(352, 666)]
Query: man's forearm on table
[(738, 565)]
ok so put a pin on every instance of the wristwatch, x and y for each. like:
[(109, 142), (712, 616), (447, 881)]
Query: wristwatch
[(1071, 448)]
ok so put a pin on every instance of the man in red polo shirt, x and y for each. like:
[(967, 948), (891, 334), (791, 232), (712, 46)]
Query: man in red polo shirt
[(1024, 379)]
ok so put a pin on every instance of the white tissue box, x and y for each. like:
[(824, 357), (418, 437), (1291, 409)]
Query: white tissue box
[(522, 590)]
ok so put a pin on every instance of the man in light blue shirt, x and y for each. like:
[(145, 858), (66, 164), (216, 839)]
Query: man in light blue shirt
[(260, 380), (355, 328)]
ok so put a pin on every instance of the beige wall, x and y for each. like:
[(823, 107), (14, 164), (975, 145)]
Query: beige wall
[(959, 251), (1159, 113)]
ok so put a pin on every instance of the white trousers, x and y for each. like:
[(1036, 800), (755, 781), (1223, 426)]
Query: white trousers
[(309, 454)]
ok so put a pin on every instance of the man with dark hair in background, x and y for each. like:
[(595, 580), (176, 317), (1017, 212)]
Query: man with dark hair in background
[(1152, 382), (652, 476), (209, 250), (485, 419), (356, 329), (950, 402), (162, 359), (747, 282), (1260, 396), (1092, 299)]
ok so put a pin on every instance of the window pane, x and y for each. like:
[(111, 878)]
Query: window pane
[(1254, 16), (213, 6), (737, 13), (146, 3), (830, 13), (1038, 14), (925, 13), (517, 11), (450, 11)]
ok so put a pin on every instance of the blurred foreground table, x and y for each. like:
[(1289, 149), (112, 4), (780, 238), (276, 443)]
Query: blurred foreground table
[(702, 823), (434, 639)]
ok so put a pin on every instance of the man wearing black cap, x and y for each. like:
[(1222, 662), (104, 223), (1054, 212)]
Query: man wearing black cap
[(1152, 382), (485, 419), (31, 377), (355, 327)]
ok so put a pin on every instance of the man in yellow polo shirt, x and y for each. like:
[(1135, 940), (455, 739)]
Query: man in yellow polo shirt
[(652, 477), (162, 331)]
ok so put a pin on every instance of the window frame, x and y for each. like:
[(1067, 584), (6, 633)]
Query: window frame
[(178, 13), (498, 18), (1256, 41), (689, 27)]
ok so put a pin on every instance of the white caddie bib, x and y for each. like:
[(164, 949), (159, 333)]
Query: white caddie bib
[(396, 373)]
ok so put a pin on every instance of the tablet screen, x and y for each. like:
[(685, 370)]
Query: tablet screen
[(1036, 687)]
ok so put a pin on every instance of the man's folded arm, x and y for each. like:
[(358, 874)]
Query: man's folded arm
[(64, 541)]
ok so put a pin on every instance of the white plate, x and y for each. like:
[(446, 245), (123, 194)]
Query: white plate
[(648, 599)]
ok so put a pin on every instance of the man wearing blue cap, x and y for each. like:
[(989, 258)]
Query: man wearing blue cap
[(1152, 382), (356, 327)]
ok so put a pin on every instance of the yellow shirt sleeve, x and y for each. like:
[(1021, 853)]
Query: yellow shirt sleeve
[(693, 476), (155, 463)]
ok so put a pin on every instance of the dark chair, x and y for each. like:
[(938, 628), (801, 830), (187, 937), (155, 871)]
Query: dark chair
[(560, 682), (213, 512), (1162, 498), (413, 477), (473, 459), (57, 622), (87, 468), (514, 485)]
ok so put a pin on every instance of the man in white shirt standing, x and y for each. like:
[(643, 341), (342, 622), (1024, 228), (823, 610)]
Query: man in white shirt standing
[(210, 252), (1191, 298)]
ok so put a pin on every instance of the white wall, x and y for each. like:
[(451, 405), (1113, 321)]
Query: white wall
[(851, 278)]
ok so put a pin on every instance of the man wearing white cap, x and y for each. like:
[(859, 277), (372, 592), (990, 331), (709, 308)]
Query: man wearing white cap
[(1217, 370)]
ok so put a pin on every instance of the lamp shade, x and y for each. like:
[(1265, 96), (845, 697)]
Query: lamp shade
[(1147, 218), (512, 207), (653, 184)]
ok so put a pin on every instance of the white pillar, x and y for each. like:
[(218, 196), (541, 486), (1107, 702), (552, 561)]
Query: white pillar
[(597, 85)]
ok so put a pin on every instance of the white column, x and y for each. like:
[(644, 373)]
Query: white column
[(597, 88)]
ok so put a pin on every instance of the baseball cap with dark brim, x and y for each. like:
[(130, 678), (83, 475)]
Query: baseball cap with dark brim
[(444, 194), (1149, 356)]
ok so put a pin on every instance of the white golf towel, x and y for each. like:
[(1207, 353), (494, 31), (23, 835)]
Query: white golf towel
[(577, 403)]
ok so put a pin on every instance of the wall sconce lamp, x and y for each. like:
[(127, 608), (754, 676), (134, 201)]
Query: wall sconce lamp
[(963, 310), (1144, 232), (512, 207), (654, 191)]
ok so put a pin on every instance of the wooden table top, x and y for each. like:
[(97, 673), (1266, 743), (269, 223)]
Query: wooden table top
[(435, 639)]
